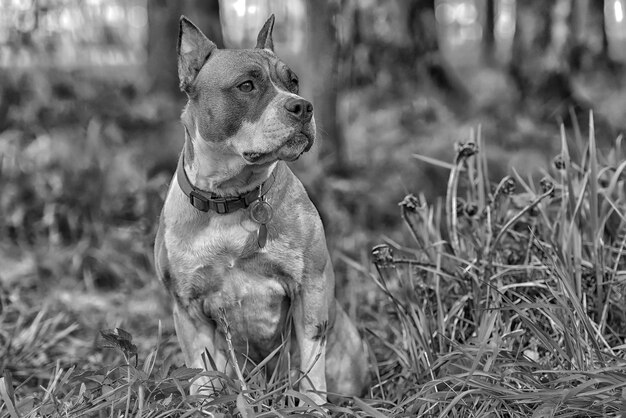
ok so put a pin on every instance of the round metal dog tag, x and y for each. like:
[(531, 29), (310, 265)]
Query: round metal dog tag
[(261, 212)]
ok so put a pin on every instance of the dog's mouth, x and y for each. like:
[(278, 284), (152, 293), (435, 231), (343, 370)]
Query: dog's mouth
[(291, 150), (295, 147)]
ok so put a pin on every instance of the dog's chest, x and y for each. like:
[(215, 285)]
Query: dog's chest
[(211, 252), (221, 268)]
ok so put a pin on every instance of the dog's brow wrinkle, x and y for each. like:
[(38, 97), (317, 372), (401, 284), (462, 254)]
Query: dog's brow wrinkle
[(255, 73)]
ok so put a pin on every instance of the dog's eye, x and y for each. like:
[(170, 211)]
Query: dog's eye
[(246, 86)]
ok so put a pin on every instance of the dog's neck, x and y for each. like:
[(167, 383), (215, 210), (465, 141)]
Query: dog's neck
[(214, 168)]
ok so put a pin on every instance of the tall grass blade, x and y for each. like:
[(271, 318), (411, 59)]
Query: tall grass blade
[(6, 392), (370, 411), (594, 221), (434, 161), (567, 172), (578, 137), (574, 240)]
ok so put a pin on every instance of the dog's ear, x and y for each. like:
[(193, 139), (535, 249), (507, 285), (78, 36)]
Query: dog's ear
[(264, 40), (193, 50)]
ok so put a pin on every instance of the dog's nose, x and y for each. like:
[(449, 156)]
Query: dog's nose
[(300, 109)]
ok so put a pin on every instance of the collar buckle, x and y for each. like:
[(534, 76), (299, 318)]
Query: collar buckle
[(221, 206), (198, 201)]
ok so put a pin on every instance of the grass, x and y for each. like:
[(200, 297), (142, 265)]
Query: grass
[(507, 301), (515, 310)]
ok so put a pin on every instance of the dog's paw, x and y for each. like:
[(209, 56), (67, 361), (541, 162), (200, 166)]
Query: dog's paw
[(319, 401)]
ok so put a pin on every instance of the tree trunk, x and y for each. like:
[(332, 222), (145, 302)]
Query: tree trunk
[(163, 17), (538, 65), (422, 26), (597, 27), (430, 62), (321, 81), (489, 38), (206, 15)]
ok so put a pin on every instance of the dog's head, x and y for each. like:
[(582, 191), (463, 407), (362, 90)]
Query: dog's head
[(244, 102)]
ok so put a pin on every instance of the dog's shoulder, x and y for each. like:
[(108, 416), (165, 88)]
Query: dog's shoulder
[(300, 226)]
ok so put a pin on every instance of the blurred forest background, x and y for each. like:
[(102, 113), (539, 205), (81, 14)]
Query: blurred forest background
[(89, 132)]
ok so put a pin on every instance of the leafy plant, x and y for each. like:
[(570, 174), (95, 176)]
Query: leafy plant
[(512, 306)]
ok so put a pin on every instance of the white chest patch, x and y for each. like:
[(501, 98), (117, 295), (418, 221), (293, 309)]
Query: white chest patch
[(219, 242)]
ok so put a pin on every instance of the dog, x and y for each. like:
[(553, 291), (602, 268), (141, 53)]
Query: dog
[(240, 246)]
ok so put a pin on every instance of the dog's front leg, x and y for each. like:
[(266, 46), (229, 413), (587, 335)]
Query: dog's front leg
[(310, 314), (194, 339)]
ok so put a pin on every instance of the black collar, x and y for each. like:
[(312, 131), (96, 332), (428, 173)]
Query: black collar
[(205, 201)]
